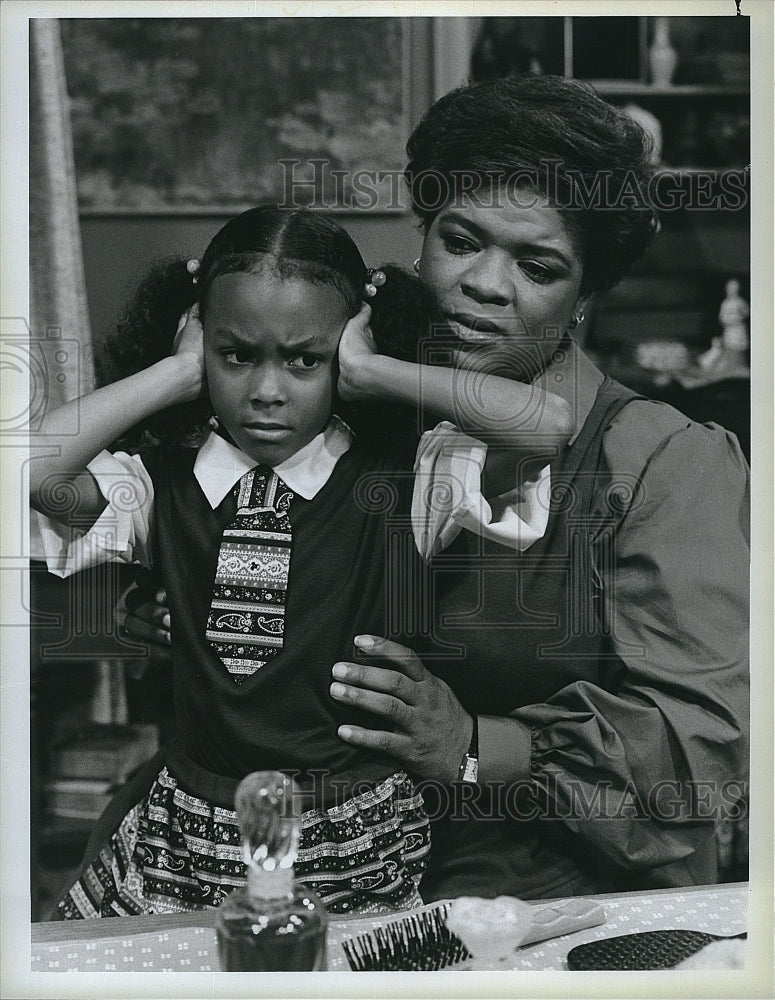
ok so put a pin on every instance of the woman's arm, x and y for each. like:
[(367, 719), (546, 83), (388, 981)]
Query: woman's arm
[(527, 424), (103, 416), (643, 767)]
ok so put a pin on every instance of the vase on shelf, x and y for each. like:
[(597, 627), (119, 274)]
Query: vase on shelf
[(662, 56)]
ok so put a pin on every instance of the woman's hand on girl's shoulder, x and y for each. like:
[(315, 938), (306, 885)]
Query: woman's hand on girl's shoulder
[(188, 345), (142, 613), (356, 347), (424, 725)]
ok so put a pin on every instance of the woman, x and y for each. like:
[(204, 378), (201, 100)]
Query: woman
[(588, 695)]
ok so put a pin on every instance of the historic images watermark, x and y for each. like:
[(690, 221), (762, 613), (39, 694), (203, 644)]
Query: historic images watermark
[(551, 795), (316, 184)]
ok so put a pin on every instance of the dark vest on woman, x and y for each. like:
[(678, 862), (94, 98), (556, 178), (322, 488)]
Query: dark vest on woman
[(512, 629)]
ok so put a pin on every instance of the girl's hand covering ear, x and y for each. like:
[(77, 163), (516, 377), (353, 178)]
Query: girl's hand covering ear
[(188, 344), (355, 348)]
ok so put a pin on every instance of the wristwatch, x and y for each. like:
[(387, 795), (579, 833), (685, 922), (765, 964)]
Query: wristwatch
[(469, 765)]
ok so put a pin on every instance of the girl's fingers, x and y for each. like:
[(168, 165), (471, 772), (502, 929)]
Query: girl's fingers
[(179, 332), (189, 334), (357, 328)]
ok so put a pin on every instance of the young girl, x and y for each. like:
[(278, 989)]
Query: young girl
[(271, 557)]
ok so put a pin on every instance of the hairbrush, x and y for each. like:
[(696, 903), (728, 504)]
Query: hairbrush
[(419, 942), (642, 951)]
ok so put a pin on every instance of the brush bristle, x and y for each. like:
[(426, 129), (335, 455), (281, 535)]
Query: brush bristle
[(419, 942)]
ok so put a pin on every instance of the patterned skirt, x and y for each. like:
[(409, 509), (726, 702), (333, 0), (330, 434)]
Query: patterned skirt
[(176, 852)]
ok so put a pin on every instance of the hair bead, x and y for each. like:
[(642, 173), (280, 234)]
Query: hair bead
[(376, 279)]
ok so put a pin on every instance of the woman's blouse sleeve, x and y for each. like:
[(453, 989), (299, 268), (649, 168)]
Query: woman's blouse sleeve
[(660, 747), (448, 498), (122, 533)]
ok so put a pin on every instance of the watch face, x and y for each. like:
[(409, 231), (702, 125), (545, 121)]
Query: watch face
[(471, 769)]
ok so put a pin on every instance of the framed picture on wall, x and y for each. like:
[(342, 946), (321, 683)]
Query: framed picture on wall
[(202, 115)]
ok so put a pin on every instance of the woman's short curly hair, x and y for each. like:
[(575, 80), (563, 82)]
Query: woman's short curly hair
[(588, 158)]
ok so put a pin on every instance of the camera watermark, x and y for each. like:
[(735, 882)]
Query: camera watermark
[(35, 369)]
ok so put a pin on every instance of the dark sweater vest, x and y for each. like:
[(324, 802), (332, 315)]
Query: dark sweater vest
[(282, 717)]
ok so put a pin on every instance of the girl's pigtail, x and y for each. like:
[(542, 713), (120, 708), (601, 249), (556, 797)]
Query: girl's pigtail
[(145, 335), (403, 314)]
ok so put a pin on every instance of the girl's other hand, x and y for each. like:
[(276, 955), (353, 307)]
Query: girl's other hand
[(188, 345), (356, 347)]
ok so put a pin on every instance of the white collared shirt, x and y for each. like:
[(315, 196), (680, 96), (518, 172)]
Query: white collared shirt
[(448, 464), (219, 465), (447, 496)]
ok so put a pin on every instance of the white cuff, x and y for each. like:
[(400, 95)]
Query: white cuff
[(120, 534), (448, 496)]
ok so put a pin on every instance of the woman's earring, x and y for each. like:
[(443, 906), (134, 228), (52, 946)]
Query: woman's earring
[(578, 318), (416, 266)]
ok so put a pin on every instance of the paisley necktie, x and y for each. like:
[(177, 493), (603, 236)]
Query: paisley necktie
[(246, 622)]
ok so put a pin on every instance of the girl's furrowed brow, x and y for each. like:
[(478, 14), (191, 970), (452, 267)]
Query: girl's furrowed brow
[(224, 333), (317, 342)]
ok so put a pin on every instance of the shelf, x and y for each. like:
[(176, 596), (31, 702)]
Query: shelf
[(61, 833), (636, 88), (688, 171)]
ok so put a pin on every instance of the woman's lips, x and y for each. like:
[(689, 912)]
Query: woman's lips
[(475, 328)]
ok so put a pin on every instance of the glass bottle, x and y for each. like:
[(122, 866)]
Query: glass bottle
[(273, 923)]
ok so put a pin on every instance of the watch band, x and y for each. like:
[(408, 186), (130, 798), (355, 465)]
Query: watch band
[(469, 765)]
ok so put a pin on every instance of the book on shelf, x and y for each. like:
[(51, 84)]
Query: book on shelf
[(105, 752), (77, 798)]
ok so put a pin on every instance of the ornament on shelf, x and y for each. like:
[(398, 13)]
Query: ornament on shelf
[(662, 359), (711, 357), (662, 56), (732, 315), (727, 355)]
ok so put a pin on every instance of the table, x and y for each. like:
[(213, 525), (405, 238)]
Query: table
[(186, 942)]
